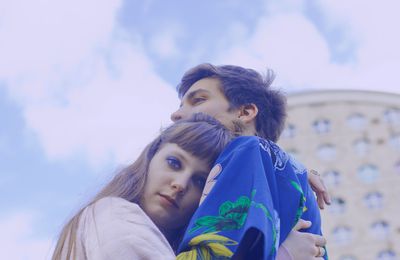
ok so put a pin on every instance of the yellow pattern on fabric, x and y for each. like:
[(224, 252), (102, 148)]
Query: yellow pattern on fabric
[(207, 246)]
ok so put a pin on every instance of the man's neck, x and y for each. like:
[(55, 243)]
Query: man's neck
[(243, 129), (248, 132), (249, 129)]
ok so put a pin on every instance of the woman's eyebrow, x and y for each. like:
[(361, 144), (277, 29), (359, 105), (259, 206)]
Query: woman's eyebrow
[(180, 156)]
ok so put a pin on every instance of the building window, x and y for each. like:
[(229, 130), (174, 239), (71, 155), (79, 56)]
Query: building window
[(326, 152), (386, 255), (392, 116), (379, 229), (368, 173), (322, 126), (338, 206), (289, 131), (342, 235), (356, 121), (373, 200), (293, 152), (397, 167), (361, 146), (394, 141), (331, 178), (347, 257)]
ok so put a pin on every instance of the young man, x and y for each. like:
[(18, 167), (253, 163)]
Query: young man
[(242, 100)]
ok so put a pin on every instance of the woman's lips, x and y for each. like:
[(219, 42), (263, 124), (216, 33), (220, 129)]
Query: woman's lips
[(169, 200)]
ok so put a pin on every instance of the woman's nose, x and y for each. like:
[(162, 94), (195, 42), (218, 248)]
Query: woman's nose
[(180, 184)]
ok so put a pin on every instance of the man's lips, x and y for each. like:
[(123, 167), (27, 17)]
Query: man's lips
[(170, 200)]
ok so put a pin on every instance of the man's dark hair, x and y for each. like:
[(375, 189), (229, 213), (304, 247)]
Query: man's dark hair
[(243, 86)]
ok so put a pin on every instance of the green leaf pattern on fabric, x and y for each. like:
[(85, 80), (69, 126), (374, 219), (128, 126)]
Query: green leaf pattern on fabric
[(302, 203), (232, 215)]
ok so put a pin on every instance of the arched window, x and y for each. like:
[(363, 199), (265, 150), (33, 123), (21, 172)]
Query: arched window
[(397, 167), (379, 229), (338, 206), (326, 152), (357, 121), (361, 146), (347, 257), (332, 178), (392, 116), (394, 141), (368, 173), (293, 152), (322, 126), (386, 255), (373, 200), (342, 235), (289, 131)]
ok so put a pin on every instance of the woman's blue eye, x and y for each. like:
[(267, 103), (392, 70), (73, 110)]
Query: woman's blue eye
[(174, 163), (199, 181)]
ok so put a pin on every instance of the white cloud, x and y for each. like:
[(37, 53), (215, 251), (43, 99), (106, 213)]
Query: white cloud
[(288, 42), (284, 6), (111, 115), (18, 241), (373, 25), (43, 41), (164, 42), (85, 88)]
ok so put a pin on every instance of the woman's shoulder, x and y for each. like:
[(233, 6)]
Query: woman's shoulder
[(114, 209), (108, 203), (114, 202), (119, 227)]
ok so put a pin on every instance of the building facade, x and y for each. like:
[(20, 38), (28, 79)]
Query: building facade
[(353, 139)]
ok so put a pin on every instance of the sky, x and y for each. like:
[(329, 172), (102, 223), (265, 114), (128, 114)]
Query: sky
[(85, 85)]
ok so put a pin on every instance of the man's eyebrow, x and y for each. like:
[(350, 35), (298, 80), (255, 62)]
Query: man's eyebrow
[(195, 92), (190, 95)]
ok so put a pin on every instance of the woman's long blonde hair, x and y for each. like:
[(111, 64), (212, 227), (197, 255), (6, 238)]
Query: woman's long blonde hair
[(202, 136)]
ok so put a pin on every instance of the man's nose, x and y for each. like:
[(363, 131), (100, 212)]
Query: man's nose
[(177, 115)]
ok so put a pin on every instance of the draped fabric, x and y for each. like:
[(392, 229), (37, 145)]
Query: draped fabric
[(256, 191)]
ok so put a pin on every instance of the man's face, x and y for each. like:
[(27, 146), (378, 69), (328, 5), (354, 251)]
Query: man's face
[(205, 96)]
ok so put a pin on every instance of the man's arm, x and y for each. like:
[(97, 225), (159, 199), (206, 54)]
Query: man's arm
[(302, 246), (297, 246)]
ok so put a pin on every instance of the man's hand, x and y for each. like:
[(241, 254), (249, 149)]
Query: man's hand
[(304, 246), (318, 186)]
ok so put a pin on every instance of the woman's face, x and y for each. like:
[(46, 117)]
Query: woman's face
[(174, 185)]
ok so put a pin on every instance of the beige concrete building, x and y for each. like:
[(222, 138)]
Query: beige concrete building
[(353, 139)]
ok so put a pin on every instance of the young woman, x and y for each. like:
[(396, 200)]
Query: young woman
[(142, 212)]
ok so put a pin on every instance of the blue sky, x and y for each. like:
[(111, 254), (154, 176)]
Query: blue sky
[(85, 85)]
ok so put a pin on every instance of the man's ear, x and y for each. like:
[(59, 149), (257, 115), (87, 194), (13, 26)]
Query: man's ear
[(248, 113)]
